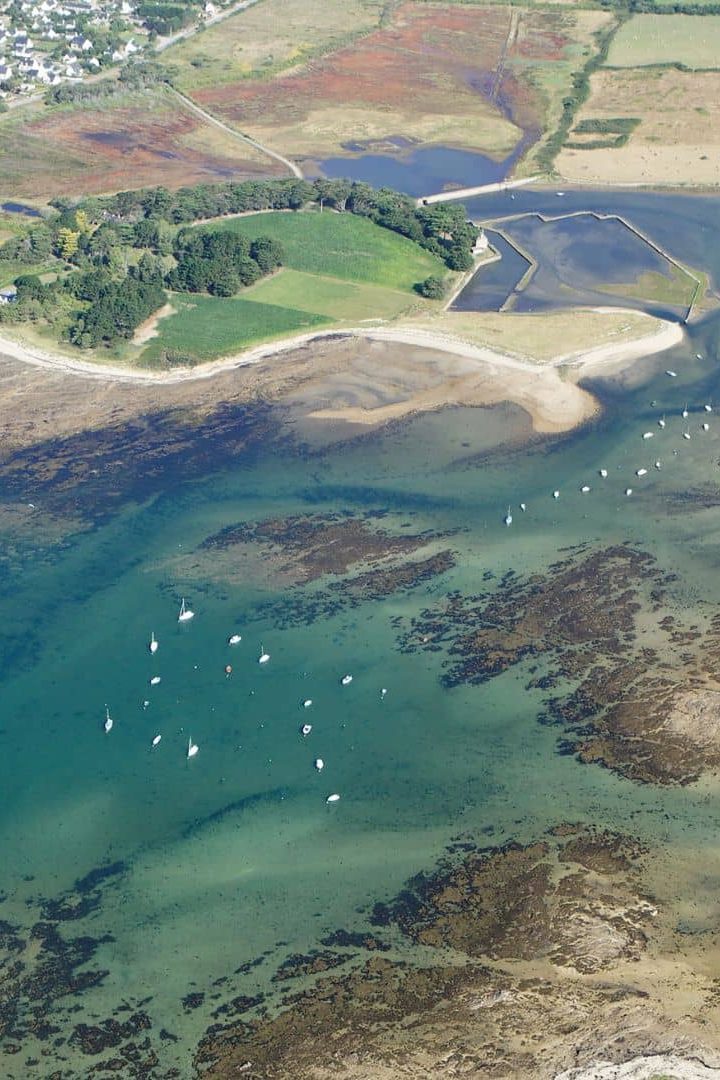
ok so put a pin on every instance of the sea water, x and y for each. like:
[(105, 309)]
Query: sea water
[(235, 855)]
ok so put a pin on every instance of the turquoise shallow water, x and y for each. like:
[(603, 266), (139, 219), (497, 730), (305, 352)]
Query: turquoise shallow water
[(235, 853)]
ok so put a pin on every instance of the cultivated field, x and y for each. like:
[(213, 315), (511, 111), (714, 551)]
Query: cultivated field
[(269, 37), (338, 270), (342, 246), (435, 73), (130, 141), (346, 301), (691, 40), (205, 328), (677, 140)]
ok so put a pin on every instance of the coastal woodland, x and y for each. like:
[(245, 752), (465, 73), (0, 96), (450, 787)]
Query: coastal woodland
[(91, 272)]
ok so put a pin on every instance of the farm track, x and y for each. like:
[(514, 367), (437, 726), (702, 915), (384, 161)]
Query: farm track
[(210, 119)]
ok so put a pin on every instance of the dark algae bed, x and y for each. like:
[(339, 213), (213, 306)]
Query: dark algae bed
[(518, 877)]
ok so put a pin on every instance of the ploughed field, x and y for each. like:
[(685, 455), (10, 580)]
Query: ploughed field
[(129, 141), (468, 76)]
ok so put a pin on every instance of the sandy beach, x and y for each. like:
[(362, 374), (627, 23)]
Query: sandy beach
[(351, 379)]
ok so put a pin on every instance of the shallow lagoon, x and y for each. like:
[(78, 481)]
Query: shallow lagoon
[(235, 853)]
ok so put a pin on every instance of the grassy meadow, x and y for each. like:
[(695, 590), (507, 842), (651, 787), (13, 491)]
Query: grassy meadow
[(338, 269), (206, 327), (646, 40), (342, 246)]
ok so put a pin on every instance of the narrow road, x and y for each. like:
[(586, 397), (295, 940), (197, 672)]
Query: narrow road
[(510, 37), (290, 165)]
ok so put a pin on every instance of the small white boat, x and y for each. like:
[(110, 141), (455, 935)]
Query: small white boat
[(685, 413), (641, 472), (584, 489), (307, 703), (155, 680), (661, 423), (107, 726), (508, 517), (346, 680), (234, 639), (559, 194), (333, 798), (556, 494), (648, 434), (264, 656), (707, 408), (305, 730), (628, 491), (156, 740), (672, 374), (698, 356), (523, 507), (319, 764), (706, 427), (686, 434), (603, 473), (192, 748), (185, 614), (153, 646), (383, 692), (658, 464)]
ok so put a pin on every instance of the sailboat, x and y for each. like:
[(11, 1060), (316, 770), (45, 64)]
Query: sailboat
[(707, 408), (648, 434), (685, 413), (319, 764), (108, 721), (264, 656), (333, 798), (346, 680), (156, 740), (234, 639), (192, 748), (153, 646), (508, 517), (686, 434), (185, 613), (305, 730), (661, 422)]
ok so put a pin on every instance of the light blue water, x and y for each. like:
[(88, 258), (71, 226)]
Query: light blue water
[(235, 851)]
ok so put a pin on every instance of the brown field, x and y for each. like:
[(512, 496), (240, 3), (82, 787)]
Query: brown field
[(678, 138), (133, 142), (464, 76)]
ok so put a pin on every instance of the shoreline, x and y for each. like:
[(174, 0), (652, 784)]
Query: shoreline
[(665, 336)]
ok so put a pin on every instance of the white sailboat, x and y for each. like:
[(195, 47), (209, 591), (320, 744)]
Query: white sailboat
[(584, 489), (707, 408), (661, 422), (107, 726), (508, 517), (153, 646), (305, 730), (346, 680), (686, 434), (264, 656), (307, 703), (319, 764), (333, 798), (685, 413), (234, 639), (706, 427), (648, 434), (628, 491), (672, 374), (603, 473), (156, 740), (641, 472), (155, 680), (185, 613), (556, 494), (192, 748)]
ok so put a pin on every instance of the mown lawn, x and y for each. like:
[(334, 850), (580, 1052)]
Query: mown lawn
[(342, 246), (344, 300), (206, 327)]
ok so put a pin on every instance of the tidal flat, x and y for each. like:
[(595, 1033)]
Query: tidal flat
[(517, 879)]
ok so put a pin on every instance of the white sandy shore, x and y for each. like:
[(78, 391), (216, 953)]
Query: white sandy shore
[(667, 335), (646, 1068)]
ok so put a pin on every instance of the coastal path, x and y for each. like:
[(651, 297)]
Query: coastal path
[(469, 192), (247, 139)]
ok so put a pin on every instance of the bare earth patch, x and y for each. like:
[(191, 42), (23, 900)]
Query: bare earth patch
[(149, 329)]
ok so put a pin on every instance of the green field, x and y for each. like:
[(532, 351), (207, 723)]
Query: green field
[(342, 246), (207, 327), (690, 40), (343, 300)]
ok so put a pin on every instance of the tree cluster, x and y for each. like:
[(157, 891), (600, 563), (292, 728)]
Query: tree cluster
[(116, 310), (442, 229), (221, 262), (166, 18)]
